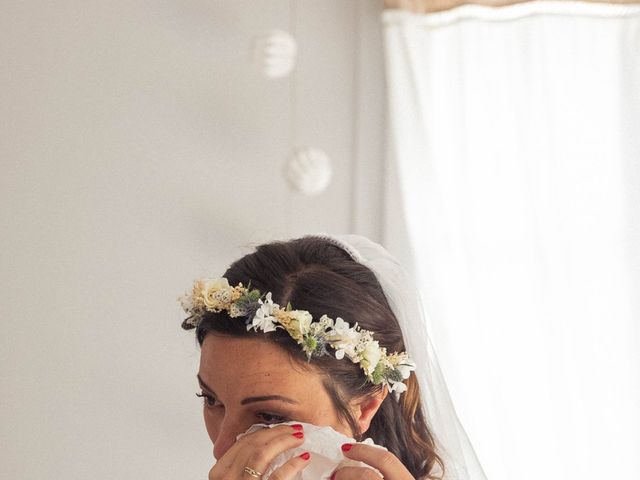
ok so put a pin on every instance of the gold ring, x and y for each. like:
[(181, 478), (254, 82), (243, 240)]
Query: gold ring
[(252, 472)]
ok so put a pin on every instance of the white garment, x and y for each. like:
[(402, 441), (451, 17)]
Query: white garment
[(453, 445), (323, 443)]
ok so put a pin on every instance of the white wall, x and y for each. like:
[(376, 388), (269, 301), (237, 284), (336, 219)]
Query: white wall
[(139, 151)]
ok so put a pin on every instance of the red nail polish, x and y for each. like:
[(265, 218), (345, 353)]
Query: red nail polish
[(346, 447), (298, 434), (305, 456), (296, 426)]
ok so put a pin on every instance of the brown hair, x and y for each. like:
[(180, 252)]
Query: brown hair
[(315, 275)]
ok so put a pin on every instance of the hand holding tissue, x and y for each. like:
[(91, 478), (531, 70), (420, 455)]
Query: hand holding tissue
[(323, 443)]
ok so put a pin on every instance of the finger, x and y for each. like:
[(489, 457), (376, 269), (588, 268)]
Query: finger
[(264, 435), (383, 460), (291, 467), (355, 473), (259, 451), (238, 455)]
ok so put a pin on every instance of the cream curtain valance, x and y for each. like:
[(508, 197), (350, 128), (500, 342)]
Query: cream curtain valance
[(428, 6)]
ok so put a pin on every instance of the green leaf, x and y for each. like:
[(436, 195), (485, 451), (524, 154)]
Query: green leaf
[(379, 374)]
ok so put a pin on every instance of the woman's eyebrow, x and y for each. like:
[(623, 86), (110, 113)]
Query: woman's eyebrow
[(247, 400), (268, 397)]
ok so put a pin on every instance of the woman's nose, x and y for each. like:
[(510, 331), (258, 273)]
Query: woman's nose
[(226, 437)]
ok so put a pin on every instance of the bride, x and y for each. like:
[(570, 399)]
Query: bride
[(322, 331)]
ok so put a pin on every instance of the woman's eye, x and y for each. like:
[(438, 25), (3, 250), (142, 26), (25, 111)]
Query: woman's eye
[(209, 400), (270, 418)]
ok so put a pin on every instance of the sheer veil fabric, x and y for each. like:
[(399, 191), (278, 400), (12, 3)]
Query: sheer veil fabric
[(454, 447)]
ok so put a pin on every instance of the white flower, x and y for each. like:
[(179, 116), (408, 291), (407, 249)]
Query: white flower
[(344, 339), (319, 328), (264, 318), (342, 328), (397, 388), (299, 323), (325, 322), (214, 291), (401, 363), (214, 284), (406, 368), (370, 355)]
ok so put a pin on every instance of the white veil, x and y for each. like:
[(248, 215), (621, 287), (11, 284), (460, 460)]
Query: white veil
[(453, 444)]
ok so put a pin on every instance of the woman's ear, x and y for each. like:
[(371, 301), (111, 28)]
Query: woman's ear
[(364, 408)]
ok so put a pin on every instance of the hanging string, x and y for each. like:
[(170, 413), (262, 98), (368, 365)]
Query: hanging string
[(293, 124), (293, 111), (355, 136)]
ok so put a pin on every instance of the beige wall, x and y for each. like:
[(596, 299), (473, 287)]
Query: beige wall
[(139, 150)]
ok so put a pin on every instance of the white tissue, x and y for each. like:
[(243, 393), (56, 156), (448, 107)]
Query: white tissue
[(323, 443)]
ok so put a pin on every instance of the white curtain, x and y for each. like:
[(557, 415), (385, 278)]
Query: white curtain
[(515, 144)]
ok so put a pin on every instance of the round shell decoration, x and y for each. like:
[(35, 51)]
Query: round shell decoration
[(274, 53), (309, 171)]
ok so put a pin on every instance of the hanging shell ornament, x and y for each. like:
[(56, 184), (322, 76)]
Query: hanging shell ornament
[(308, 171), (274, 53)]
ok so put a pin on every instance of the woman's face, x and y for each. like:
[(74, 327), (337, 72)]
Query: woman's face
[(247, 381)]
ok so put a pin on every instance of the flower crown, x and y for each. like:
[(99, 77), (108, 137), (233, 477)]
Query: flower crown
[(261, 314)]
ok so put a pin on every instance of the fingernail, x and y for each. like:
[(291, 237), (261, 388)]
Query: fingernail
[(333, 476), (298, 434), (297, 426), (305, 456), (346, 447)]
